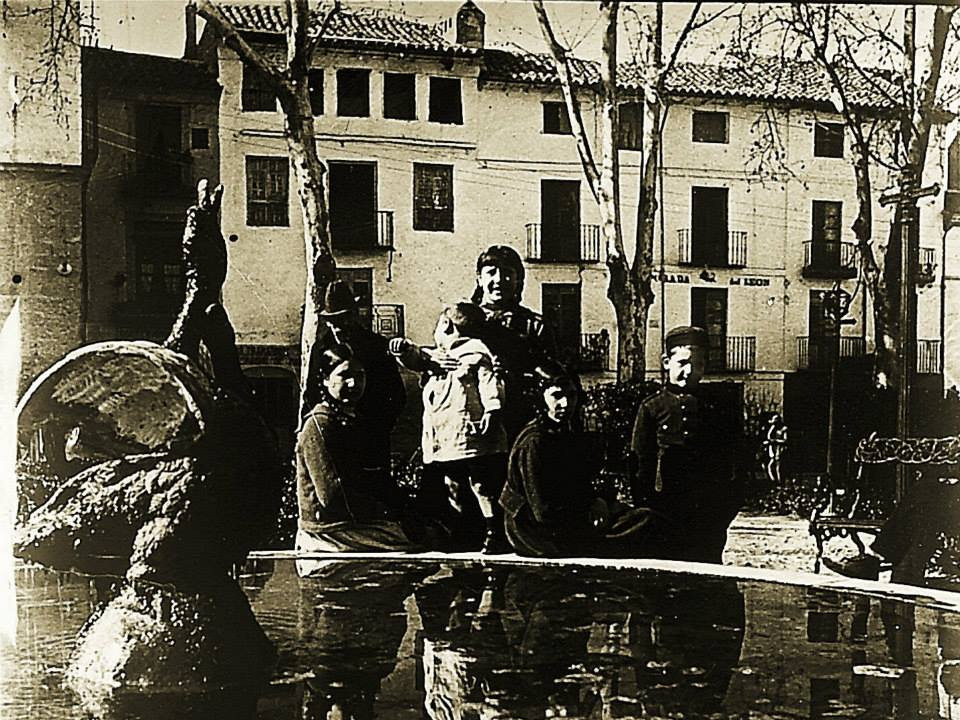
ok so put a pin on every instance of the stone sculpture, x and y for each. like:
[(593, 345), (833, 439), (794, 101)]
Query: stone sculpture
[(168, 478)]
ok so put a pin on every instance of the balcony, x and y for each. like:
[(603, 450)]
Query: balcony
[(594, 351), (588, 250), (829, 260), (926, 267), (741, 354), (736, 250), (361, 238), (819, 353), (928, 357)]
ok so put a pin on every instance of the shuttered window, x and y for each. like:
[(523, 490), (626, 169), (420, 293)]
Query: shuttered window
[(432, 197)]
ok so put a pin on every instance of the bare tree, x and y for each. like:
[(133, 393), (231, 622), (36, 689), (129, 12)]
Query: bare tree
[(67, 26), (290, 83), (631, 288), (833, 37)]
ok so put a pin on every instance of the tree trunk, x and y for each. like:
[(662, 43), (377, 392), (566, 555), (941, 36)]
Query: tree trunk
[(636, 286), (631, 312), (884, 312), (320, 264)]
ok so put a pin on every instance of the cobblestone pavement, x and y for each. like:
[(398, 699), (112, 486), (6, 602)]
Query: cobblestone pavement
[(771, 542)]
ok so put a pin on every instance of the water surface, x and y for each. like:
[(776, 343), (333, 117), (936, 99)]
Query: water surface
[(453, 639)]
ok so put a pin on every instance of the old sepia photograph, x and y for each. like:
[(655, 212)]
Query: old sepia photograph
[(479, 360)]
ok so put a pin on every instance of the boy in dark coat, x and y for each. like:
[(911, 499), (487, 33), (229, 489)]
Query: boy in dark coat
[(685, 445)]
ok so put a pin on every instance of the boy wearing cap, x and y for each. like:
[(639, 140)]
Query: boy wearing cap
[(685, 444)]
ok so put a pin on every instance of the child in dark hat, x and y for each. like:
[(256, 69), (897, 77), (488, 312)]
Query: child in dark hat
[(381, 404), (685, 443)]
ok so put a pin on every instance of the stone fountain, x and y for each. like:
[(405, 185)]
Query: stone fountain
[(167, 476)]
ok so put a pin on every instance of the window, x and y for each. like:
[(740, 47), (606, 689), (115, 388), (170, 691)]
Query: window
[(256, 94), (630, 129), (267, 191), (827, 218), (400, 96), (361, 285), (445, 103), (828, 140), (355, 221), (159, 265), (709, 127), (556, 120), (432, 197), (353, 93), (708, 309), (315, 84), (199, 139)]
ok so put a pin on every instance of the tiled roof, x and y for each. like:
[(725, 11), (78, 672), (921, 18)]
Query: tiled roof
[(756, 79), (135, 70), (352, 28)]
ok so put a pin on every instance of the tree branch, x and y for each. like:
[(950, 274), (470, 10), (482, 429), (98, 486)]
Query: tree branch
[(565, 74), (233, 40)]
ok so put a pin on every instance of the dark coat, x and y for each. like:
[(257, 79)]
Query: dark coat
[(686, 446), (548, 493), (384, 397), (332, 483), (520, 340)]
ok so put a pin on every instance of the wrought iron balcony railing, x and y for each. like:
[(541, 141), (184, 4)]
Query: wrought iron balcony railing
[(821, 352), (548, 248), (829, 259), (927, 266), (366, 235), (928, 357), (736, 255), (594, 351)]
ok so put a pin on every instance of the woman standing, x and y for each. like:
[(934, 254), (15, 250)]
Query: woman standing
[(343, 506), (517, 336)]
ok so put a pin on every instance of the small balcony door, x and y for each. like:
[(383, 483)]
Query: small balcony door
[(708, 225), (709, 311), (824, 335), (353, 205), (561, 313), (560, 220)]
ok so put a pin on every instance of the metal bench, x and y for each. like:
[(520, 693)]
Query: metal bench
[(840, 514)]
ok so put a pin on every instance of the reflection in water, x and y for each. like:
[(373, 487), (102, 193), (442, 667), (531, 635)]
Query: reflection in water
[(452, 640)]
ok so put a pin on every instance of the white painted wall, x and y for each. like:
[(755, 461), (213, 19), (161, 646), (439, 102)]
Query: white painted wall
[(500, 156)]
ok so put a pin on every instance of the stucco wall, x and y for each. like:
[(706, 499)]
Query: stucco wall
[(32, 129), (500, 156), (41, 262)]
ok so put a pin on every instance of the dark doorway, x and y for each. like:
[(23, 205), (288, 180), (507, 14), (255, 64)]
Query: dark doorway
[(353, 205), (560, 220), (561, 313), (361, 283), (709, 226), (709, 311)]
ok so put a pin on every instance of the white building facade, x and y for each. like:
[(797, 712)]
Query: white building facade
[(437, 150)]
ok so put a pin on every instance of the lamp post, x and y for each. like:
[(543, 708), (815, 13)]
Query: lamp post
[(836, 304)]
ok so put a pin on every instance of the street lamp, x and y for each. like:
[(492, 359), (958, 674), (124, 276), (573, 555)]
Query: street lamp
[(836, 304)]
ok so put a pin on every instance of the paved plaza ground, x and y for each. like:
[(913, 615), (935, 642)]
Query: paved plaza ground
[(773, 542)]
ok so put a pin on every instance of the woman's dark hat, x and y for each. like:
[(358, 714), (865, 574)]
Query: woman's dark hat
[(686, 335), (338, 300)]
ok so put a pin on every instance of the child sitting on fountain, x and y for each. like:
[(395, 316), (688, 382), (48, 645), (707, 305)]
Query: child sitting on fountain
[(463, 437)]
